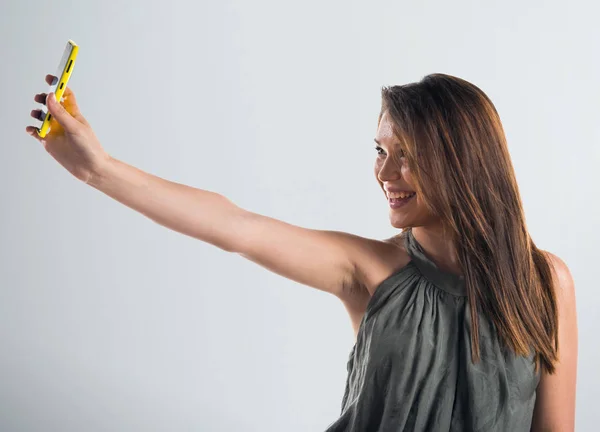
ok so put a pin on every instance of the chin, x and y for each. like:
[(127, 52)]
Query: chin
[(400, 223)]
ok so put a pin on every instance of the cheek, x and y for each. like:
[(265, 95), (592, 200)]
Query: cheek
[(407, 174)]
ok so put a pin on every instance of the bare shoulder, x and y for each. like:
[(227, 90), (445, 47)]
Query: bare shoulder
[(563, 279), (378, 259), (555, 401), (374, 261), (564, 287)]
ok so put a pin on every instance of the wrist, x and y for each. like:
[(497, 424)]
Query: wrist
[(102, 172)]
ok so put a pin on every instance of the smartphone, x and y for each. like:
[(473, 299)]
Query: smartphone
[(63, 73)]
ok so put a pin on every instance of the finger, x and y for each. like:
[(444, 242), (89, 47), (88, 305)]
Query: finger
[(69, 101), (51, 79), (40, 98), (33, 131), (37, 114), (66, 120), (68, 93), (68, 96)]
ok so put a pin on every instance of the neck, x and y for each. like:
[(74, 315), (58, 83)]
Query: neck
[(438, 247)]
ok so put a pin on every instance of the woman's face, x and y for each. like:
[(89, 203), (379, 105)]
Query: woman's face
[(407, 208)]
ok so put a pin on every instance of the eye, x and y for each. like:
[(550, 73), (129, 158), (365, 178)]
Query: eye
[(379, 149)]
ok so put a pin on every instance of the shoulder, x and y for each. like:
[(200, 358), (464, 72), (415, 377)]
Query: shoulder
[(564, 289), (555, 401), (375, 259), (561, 274), (381, 259)]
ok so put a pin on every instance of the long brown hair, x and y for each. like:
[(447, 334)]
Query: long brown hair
[(455, 145)]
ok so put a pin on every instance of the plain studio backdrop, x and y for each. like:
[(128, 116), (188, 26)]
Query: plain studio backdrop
[(111, 322)]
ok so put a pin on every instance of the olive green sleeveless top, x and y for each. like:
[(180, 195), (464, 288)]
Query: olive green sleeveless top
[(411, 368)]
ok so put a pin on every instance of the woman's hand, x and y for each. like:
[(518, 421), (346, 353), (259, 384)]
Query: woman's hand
[(71, 140)]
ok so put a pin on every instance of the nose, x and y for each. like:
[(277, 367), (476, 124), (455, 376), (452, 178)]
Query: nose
[(389, 171)]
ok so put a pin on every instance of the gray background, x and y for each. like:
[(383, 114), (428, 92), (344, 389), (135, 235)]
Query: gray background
[(110, 322)]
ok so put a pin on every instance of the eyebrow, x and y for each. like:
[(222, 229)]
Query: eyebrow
[(378, 143)]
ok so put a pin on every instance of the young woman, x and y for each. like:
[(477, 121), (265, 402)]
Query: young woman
[(461, 322)]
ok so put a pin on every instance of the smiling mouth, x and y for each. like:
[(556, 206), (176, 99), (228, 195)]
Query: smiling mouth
[(398, 200), (399, 196)]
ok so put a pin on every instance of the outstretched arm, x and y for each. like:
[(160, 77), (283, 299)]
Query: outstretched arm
[(322, 259), (326, 260)]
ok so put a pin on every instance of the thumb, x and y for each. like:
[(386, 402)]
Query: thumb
[(62, 116)]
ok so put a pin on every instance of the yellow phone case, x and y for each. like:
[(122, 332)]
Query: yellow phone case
[(63, 73)]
